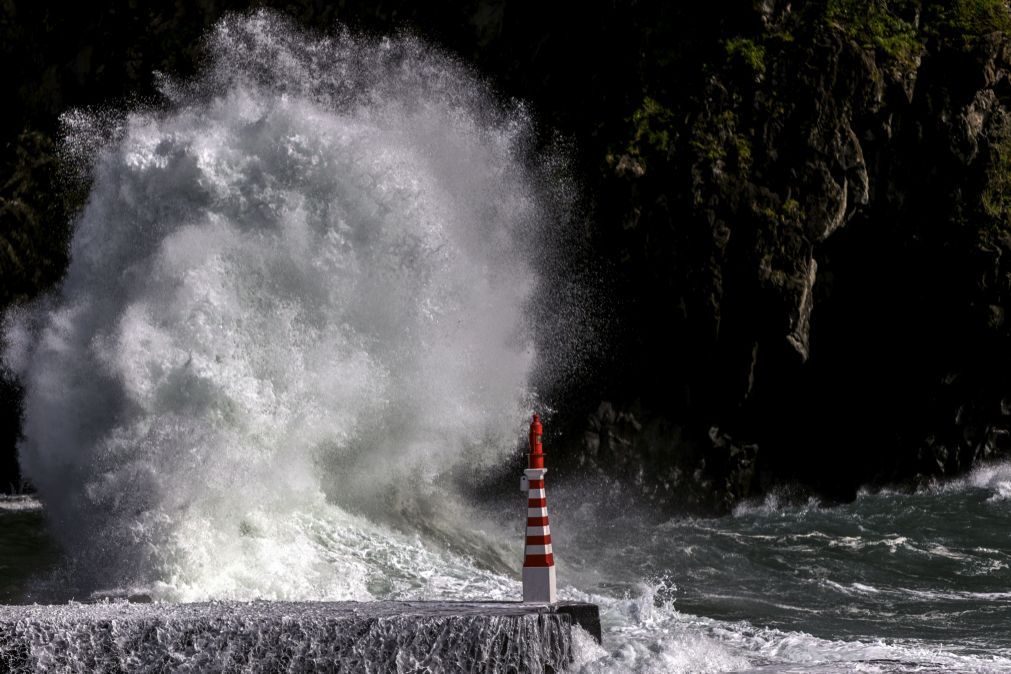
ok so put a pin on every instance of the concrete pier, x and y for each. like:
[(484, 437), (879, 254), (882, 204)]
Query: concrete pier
[(293, 636)]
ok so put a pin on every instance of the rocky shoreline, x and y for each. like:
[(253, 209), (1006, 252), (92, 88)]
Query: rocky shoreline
[(813, 255), (794, 228)]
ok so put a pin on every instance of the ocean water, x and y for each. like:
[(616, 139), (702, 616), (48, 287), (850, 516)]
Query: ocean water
[(890, 583), (300, 314)]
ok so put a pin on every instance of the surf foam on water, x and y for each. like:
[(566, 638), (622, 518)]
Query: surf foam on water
[(298, 284), (19, 503), (298, 300)]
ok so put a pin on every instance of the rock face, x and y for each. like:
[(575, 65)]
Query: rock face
[(816, 263), (798, 218)]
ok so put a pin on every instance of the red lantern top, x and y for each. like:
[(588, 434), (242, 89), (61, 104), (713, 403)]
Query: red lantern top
[(536, 449)]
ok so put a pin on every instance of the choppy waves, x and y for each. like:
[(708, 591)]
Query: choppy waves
[(298, 305), (19, 503), (296, 293)]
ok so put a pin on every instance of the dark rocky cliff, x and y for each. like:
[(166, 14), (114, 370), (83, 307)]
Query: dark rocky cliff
[(823, 235), (796, 216)]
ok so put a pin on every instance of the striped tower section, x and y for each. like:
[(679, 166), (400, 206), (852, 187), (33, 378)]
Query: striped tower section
[(538, 562)]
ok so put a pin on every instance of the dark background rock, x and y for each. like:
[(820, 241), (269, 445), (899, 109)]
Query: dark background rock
[(795, 217)]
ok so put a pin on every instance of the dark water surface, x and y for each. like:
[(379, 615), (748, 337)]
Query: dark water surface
[(25, 547), (890, 583)]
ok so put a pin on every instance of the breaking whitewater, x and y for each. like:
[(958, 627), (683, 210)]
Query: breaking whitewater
[(299, 309)]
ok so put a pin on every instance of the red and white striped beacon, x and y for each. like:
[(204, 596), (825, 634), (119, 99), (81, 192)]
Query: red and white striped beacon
[(538, 561)]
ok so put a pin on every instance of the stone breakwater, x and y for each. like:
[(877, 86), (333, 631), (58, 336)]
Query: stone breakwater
[(292, 636)]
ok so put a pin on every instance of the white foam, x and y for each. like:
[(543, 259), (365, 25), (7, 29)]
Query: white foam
[(661, 639), (298, 286), (646, 634), (19, 503), (993, 477), (296, 300), (776, 502)]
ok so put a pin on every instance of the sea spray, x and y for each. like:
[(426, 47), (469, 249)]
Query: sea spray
[(298, 283)]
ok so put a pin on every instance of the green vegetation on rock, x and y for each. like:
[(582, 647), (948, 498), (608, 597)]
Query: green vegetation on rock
[(997, 194), (899, 27), (652, 122), (718, 138), (763, 132), (748, 52), (967, 19), (884, 24)]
